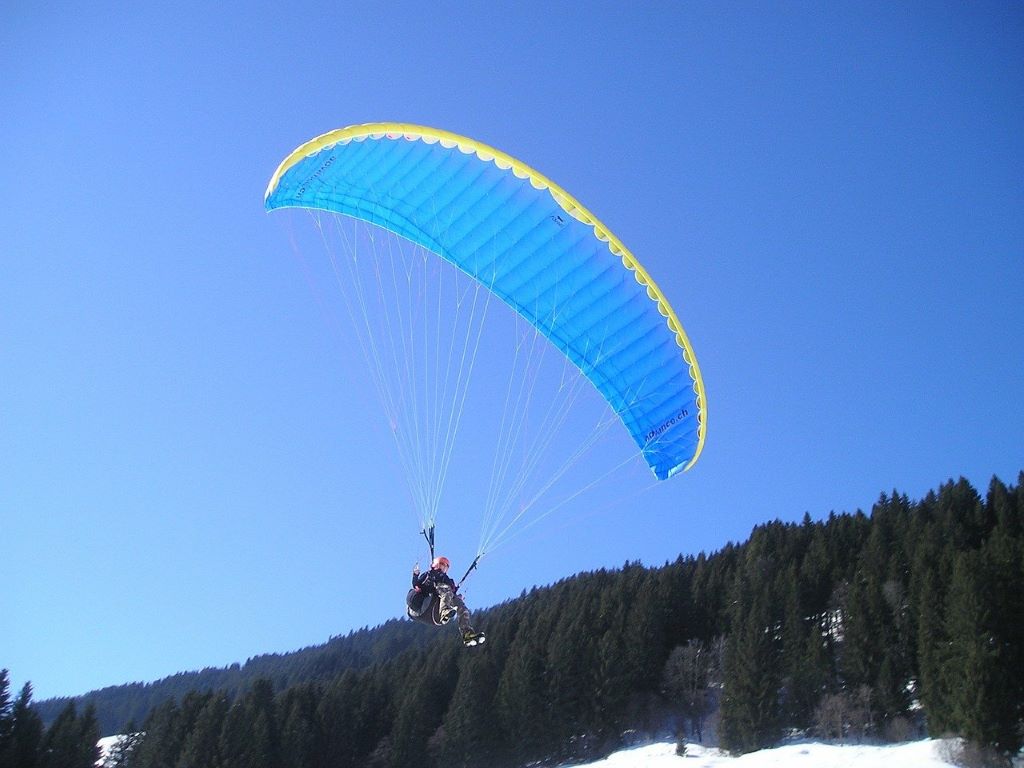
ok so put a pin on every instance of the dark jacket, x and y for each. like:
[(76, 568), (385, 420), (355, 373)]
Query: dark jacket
[(428, 580)]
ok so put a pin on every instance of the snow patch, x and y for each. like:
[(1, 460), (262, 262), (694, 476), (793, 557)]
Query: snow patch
[(917, 754), (811, 754)]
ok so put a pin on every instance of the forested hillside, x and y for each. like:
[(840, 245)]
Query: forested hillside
[(120, 704), (907, 619)]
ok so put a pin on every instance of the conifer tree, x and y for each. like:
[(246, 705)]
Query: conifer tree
[(26, 732), (680, 616), (1005, 510), (6, 720), (236, 737), (376, 716), (816, 575), (958, 505), (1004, 555), (521, 700), (819, 676), (250, 737), (983, 667), (751, 710), (89, 736), (201, 745), (355, 712), (165, 730), (471, 736), (873, 656), (60, 742), (71, 742), (572, 664), (301, 736), (861, 649), (618, 665), (803, 664), (710, 587), (420, 713), (644, 635), (932, 655)]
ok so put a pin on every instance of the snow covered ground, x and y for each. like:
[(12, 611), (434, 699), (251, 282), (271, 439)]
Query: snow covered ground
[(916, 754)]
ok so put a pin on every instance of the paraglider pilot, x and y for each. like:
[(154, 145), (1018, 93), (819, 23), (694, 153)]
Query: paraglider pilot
[(438, 584)]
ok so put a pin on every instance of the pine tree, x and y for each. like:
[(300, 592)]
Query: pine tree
[(60, 740), (816, 575), (1003, 503), (931, 654), (334, 713), (521, 700), (873, 652), (680, 615), (970, 665), (803, 662), (470, 734), (572, 677), (201, 745), (26, 731), (236, 738), (89, 736), (645, 622), (301, 736), (751, 709), (419, 717), (818, 678), (375, 716), (958, 508), (631, 650), (983, 667), (6, 720), (71, 741), (250, 737), (161, 744), (1004, 557), (345, 714)]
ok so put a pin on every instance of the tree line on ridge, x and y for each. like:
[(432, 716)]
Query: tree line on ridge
[(889, 625)]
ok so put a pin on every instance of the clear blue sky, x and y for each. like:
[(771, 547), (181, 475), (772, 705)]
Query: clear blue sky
[(191, 473)]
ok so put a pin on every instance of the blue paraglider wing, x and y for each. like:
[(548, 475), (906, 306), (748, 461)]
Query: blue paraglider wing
[(532, 244)]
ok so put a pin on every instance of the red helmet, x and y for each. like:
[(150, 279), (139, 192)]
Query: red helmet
[(441, 562)]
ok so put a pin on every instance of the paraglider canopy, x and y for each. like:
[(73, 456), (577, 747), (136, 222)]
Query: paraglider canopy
[(533, 245)]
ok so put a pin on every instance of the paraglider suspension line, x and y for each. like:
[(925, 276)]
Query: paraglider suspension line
[(428, 534), (471, 568)]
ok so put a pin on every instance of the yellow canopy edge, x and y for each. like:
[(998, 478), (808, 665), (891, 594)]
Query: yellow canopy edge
[(568, 203)]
